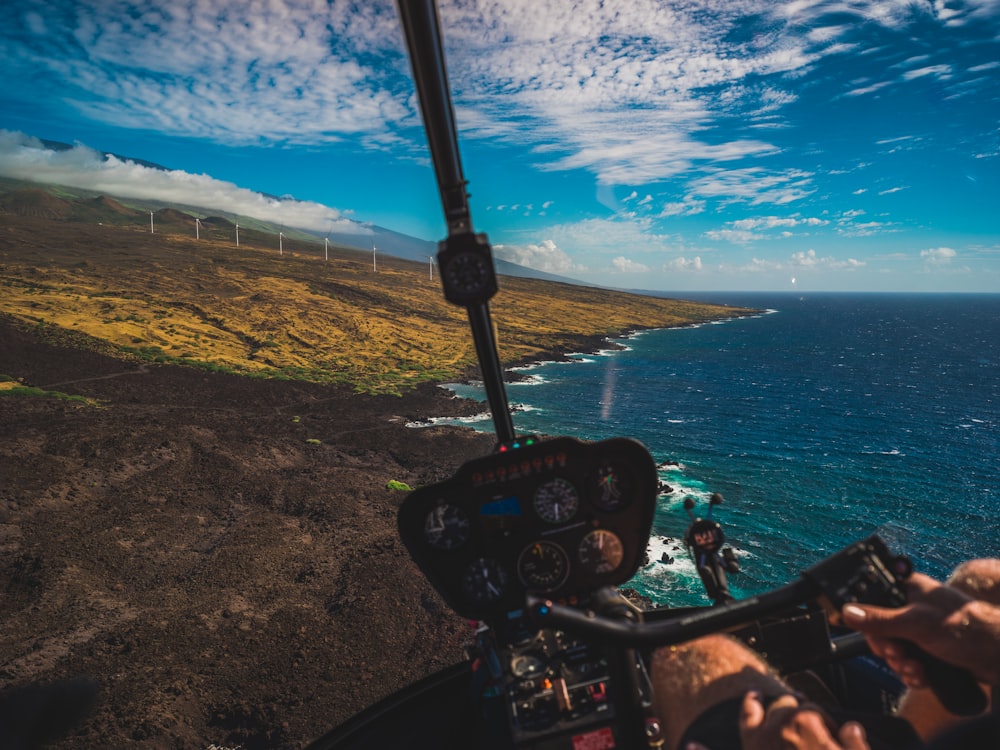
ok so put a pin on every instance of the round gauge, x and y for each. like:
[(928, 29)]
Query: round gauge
[(556, 501), (543, 566), (485, 580), (446, 527), (601, 552), (526, 665), (614, 489)]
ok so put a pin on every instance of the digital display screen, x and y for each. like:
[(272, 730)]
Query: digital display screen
[(505, 506)]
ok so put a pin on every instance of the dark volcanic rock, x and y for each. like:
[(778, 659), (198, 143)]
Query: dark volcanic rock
[(225, 581)]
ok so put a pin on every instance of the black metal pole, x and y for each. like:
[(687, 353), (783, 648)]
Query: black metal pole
[(422, 29), (620, 632), (465, 259), (489, 361)]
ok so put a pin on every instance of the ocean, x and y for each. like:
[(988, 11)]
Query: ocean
[(821, 420)]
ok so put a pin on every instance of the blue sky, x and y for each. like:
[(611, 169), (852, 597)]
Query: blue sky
[(694, 145)]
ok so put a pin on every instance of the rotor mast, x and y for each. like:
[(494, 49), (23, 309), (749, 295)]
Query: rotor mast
[(465, 259)]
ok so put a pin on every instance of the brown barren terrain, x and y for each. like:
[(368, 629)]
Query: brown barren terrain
[(219, 551), (224, 580)]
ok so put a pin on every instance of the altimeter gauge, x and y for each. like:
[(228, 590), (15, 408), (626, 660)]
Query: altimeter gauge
[(446, 527), (600, 552), (557, 500), (543, 566)]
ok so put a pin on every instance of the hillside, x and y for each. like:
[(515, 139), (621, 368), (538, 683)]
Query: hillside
[(168, 297)]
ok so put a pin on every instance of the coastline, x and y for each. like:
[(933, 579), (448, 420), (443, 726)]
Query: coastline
[(593, 344), (219, 552)]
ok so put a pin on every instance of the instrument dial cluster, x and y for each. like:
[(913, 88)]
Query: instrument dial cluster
[(559, 517)]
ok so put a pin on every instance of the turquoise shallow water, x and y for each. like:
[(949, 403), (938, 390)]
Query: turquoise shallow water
[(827, 418)]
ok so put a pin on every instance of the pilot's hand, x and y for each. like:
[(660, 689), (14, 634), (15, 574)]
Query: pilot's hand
[(786, 723), (943, 621)]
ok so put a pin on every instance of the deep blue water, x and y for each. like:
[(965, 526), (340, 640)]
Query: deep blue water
[(829, 418)]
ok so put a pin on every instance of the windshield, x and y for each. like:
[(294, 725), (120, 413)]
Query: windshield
[(758, 238)]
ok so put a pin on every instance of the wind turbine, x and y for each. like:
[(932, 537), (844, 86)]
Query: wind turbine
[(197, 228), (430, 267), (374, 265), (326, 248), (281, 244), (151, 222), (237, 234)]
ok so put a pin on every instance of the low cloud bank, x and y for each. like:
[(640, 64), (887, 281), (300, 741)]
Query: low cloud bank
[(24, 157)]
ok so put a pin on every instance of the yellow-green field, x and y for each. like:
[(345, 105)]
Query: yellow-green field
[(249, 310)]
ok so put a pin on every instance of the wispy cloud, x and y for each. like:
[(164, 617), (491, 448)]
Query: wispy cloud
[(754, 185), (641, 95), (733, 235), (772, 222), (24, 157), (233, 72)]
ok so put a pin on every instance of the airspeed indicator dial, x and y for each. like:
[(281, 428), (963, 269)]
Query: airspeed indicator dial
[(557, 500)]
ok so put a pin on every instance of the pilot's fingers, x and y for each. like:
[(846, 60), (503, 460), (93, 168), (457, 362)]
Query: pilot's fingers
[(852, 736), (752, 711)]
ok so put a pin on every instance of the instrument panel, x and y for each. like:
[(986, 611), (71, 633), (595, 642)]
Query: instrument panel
[(557, 517)]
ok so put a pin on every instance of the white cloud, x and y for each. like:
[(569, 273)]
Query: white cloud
[(938, 255), (683, 264), (544, 256), (733, 235), (772, 222), (607, 237), (687, 207), (805, 259), (25, 158), (810, 260), (622, 264)]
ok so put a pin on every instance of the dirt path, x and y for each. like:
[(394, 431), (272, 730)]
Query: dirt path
[(142, 369)]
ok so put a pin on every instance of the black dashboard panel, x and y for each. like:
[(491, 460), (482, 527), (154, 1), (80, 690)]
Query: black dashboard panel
[(557, 517)]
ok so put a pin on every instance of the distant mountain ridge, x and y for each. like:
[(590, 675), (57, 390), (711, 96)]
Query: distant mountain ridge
[(60, 146), (63, 203)]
